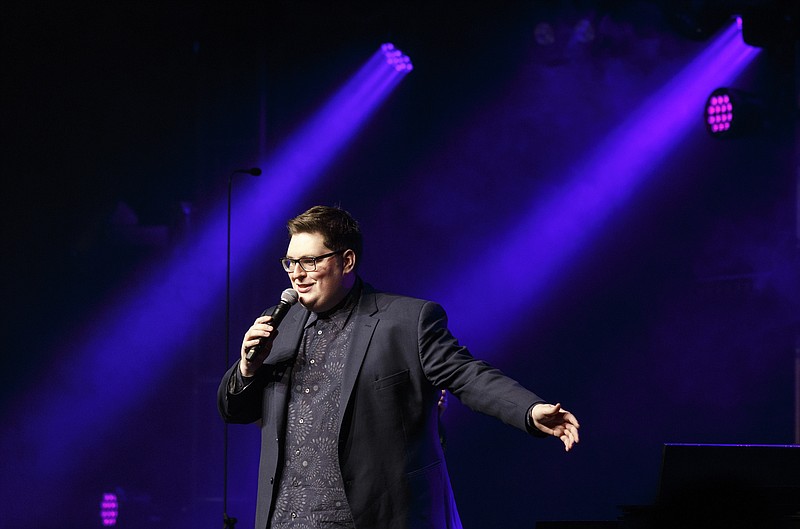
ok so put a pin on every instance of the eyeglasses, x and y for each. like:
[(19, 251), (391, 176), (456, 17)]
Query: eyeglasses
[(308, 264)]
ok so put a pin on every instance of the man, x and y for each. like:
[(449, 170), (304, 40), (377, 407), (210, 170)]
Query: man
[(347, 394)]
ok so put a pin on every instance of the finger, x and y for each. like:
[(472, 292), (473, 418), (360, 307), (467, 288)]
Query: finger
[(259, 331), (251, 342), (256, 336), (547, 431), (574, 432), (573, 435), (562, 433), (567, 442), (570, 418), (543, 411)]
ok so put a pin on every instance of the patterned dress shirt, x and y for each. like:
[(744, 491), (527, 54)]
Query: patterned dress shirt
[(310, 490)]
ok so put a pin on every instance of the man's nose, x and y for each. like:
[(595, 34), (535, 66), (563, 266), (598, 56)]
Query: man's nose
[(297, 271)]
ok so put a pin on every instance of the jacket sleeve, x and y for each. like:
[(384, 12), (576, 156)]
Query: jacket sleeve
[(237, 402), (481, 387)]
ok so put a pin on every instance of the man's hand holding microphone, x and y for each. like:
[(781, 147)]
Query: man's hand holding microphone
[(258, 339)]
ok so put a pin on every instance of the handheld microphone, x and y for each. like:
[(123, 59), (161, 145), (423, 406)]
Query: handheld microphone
[(288, 298)]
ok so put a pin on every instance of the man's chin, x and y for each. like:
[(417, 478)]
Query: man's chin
[(308, 303)]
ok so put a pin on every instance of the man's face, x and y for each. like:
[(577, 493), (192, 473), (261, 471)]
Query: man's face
[(323, 288)]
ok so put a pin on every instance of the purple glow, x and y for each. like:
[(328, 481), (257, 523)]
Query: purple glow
[(133, 342), (109, 509), (557, 227)]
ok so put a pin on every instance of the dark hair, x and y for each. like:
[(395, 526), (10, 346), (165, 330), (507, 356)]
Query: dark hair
[(338, 228)]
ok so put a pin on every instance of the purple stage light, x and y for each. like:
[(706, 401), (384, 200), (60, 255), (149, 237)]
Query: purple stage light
[(730, 113), (133, 342), (109, 509), (718, 112), (396, 58), (559, 226)]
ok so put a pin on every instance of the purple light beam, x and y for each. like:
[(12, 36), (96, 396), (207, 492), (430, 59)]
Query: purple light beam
[(555, 230), (131, 344)]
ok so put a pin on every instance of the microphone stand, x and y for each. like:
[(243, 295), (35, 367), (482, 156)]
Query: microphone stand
[(227, 521)]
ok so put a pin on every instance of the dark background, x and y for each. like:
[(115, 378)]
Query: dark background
[(676, 323)]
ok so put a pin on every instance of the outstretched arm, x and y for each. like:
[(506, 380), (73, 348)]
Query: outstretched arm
[(552, 420)]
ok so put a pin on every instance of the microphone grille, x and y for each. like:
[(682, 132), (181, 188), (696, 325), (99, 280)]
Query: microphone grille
[(290, 296)]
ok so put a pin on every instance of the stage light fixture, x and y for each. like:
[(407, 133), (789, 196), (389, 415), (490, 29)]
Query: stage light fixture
[(719, 112), (731, 113), (396, 58), (109, 509)]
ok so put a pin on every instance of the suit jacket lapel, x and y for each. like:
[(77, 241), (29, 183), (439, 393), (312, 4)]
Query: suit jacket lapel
[(363, 330), (291, 333)]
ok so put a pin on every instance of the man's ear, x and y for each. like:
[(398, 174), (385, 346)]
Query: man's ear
[(349, 261)]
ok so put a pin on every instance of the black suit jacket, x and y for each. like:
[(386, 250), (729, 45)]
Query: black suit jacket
[(390, 454)]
